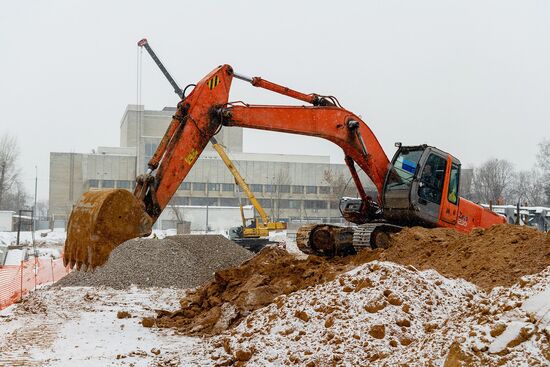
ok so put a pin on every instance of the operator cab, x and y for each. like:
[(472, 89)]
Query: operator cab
[(421, 187)]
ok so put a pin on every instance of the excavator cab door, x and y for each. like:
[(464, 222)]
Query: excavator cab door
[(428, 189), (449, 204)]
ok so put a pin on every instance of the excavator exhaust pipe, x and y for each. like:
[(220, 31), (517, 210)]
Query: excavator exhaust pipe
[(99, 222)]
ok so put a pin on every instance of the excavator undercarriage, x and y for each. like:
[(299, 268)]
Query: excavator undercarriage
[(331, 240)]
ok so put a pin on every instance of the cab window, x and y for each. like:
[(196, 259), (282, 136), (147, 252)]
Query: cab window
[(431, 179), (452, 195), (403, 169)]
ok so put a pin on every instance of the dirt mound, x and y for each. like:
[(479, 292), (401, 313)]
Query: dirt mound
[(497, 256), (184, 261), (235, 292), (385, 314)]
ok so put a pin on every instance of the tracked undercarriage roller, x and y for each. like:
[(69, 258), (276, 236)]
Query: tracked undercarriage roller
[(325, 240)]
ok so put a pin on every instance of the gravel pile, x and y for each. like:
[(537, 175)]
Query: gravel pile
[(183, 261)]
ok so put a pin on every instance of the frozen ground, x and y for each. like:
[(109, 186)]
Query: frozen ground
[(78, 326), (380, 313), (44, 238)]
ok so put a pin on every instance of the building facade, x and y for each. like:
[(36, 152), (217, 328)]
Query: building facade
[(292, 188)]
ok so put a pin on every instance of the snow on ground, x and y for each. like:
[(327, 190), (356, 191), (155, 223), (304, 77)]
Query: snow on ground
[(79, 326), (44, 237), (379, 314)]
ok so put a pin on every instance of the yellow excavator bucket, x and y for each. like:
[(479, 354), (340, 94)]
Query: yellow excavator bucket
[(99, 222)]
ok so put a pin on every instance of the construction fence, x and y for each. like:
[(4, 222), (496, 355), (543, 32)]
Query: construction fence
[(16, 281)]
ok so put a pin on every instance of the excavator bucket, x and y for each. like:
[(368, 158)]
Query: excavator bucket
[(99, 222)]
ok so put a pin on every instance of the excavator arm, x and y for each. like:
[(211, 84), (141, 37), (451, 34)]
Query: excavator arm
[(198, 117)]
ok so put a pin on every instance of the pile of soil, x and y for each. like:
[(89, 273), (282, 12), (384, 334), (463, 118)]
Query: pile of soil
[(183, 261), (385, 314), (497, 256), (235, 292)]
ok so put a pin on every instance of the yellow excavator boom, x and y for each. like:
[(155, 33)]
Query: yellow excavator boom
[(240, 181)]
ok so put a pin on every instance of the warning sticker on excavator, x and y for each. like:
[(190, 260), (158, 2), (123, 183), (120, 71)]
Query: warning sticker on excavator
[(212, 83), (191, 156)]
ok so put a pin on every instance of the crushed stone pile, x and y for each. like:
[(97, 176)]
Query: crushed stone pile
[(183, 261), (384, 314), (497, 256)]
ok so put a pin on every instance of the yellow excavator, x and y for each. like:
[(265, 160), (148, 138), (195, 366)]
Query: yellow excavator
[(255, 234)]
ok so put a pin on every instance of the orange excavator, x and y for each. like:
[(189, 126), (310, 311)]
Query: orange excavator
[(419, 186)]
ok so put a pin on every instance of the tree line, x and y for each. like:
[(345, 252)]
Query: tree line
[(12, 192), (499, 182)]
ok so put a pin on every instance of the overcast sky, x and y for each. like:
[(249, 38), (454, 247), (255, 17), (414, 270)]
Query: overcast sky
[(470, 77)]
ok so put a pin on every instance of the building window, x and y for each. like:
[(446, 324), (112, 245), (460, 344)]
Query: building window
[(228, 187), (212, 201), (93, 183), (294, 204), (229, 202), (185, 186), (269, 188), (204, 201), (315, 204), (123, 184), (297, 189), (213, 187), (149, 150), (283, 204), (199, 186), (266, 203), (324, 190), (285, 189), (311, 189), (108, 184), (256, 188), (179, 200)]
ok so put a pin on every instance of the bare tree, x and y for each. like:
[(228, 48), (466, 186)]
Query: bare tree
[(492, 180), (543, 156), (178, 212), (340, 185), (42, 208), (281, 179), (543, 163), (15, 199), (10, 186), (528, 188)]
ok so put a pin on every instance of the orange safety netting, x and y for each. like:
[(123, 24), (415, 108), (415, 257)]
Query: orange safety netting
[(18, 280)]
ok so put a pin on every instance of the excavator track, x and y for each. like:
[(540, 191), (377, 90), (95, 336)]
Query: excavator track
[(325, 240), (374, 235), (329, 240)]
